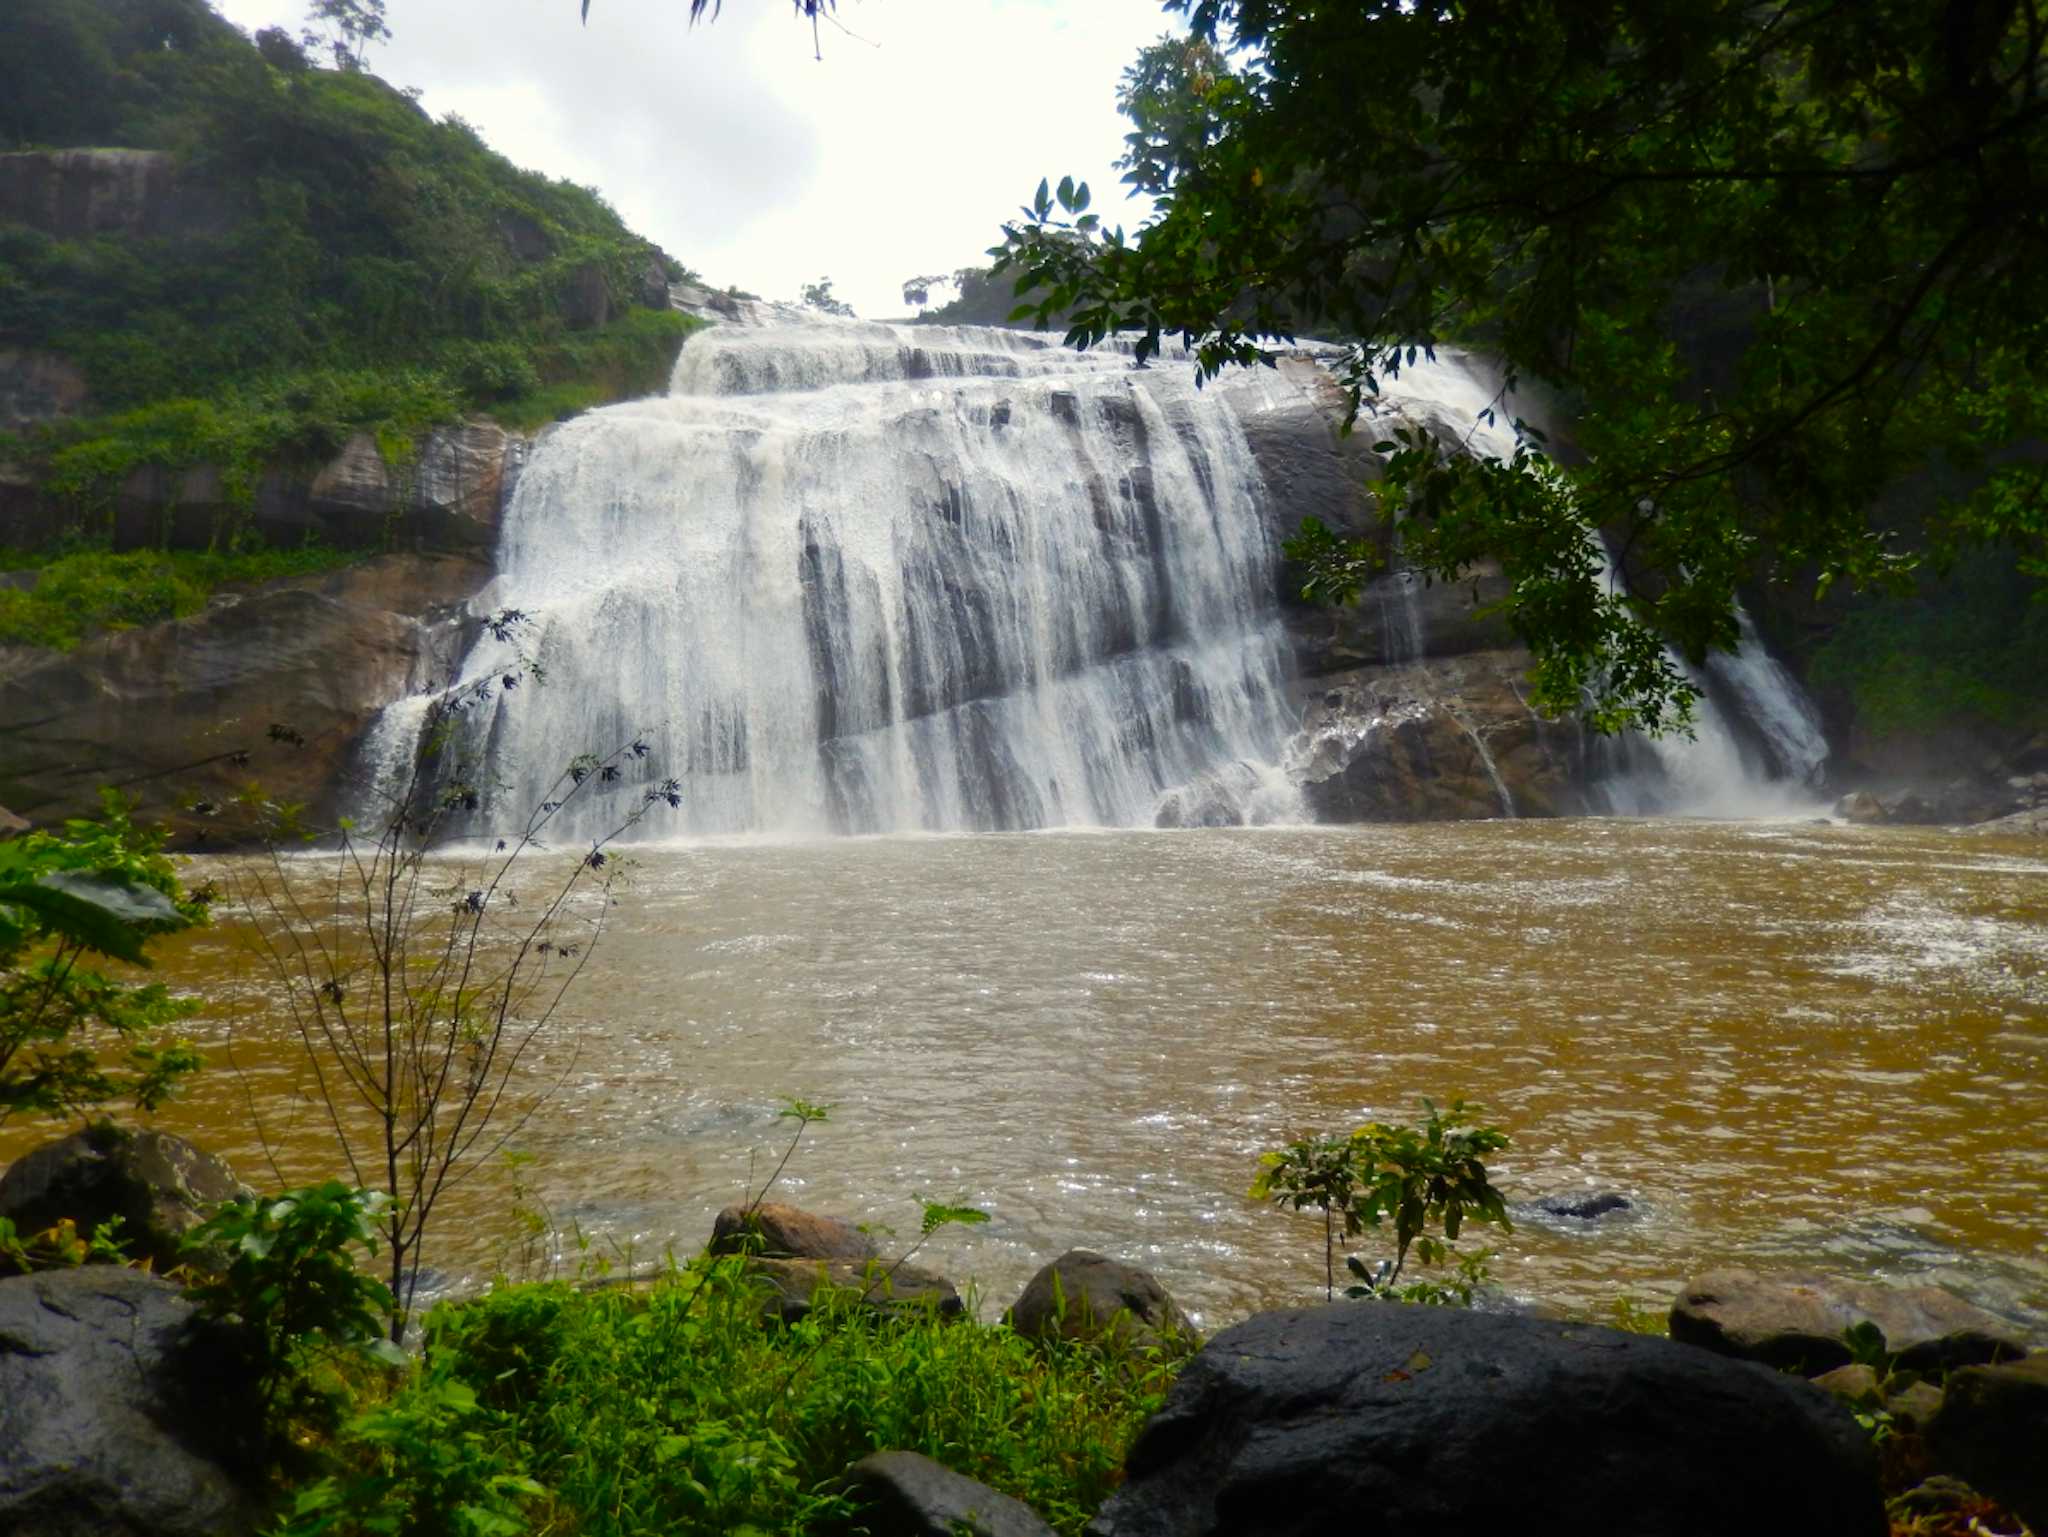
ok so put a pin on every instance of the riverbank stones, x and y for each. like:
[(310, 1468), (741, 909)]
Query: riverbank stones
[(1992, 1429), (775, 1231), (120, 1412), (791, 1288), (1405, 1418), (906, 1494), (160, 1186), (1087, 1296), (1796, 1321)]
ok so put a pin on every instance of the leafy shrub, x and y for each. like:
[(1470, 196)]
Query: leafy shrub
[(291, 1277), (100, 888), (1431, 1172)]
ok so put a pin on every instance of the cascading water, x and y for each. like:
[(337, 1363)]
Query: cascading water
[(1773, 767), (849, 577)]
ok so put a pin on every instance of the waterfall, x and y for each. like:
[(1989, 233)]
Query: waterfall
[(850, 578), (1756, 745)]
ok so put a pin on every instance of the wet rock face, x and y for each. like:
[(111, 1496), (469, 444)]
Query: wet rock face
[(1441, 741), (168, 708), (1797, 1321), (120, 1412), (1438, 1419)]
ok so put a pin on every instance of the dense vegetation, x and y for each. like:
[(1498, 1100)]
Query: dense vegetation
[(81, 592), (1783, 263), (370, 270), (674, 1410)]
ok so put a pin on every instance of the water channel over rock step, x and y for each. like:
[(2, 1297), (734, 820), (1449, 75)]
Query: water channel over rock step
[(856, 578), (1818, 1048)]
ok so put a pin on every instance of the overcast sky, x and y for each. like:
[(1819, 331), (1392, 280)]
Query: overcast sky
[(924, 127)]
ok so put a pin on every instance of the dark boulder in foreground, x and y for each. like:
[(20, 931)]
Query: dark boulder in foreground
[(120, 1413), (1386, 1417), (160, 1186), (906, 1494), (1796, 1321)]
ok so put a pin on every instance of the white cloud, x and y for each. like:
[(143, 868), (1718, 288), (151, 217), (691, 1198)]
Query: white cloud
[(924, 126)]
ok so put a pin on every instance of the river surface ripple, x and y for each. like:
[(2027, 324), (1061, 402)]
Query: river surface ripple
[(1786, 1044)]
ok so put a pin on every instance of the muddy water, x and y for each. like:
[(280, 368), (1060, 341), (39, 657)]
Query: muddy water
[(1784, 1044)]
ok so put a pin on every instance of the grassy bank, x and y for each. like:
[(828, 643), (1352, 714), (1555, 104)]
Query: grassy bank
[(674, 1409)]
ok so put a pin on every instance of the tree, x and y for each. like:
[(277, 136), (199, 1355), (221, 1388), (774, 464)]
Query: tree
[(1783, 263), (818, 296), (918, 290), (99, 888), (345, 29), (421, 959)]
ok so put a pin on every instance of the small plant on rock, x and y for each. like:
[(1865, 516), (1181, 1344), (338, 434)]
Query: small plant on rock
[(1430, 1173)]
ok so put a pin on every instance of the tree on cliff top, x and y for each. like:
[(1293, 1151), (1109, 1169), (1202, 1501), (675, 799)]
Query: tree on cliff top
[(1787, 264)]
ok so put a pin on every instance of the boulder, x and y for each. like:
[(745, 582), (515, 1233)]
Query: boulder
[(1856, 1383), (906, 1494), (791, 1287), (1087, 1296), (355, 491), (1914, 1405), (1992, 1429), (120, 1412), (1441, 740), (1797, 1321), (459, 484), (1419, 1419), (789, 1232), (160, 1186), (1860, 806)]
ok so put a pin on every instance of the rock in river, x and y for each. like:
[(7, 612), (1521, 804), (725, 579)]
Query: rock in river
[(1387, 1417), (1797, 1320)]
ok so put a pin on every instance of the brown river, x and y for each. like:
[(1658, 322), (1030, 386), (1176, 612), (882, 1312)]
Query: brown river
[(1784, 1044)]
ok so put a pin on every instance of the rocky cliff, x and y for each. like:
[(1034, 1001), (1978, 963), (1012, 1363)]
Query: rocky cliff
[(1413, 701)]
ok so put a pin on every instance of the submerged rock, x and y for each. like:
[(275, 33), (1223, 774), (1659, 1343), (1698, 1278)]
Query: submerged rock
[(120, 1412), (1417, 1419), (788, 1232), (160, 1186), (906, 1494), (1586, 1208), (1797, 1321), (1083, 1295)]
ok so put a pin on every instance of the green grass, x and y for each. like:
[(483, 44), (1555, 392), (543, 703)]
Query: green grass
[(675, 1410), (84, 592)]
